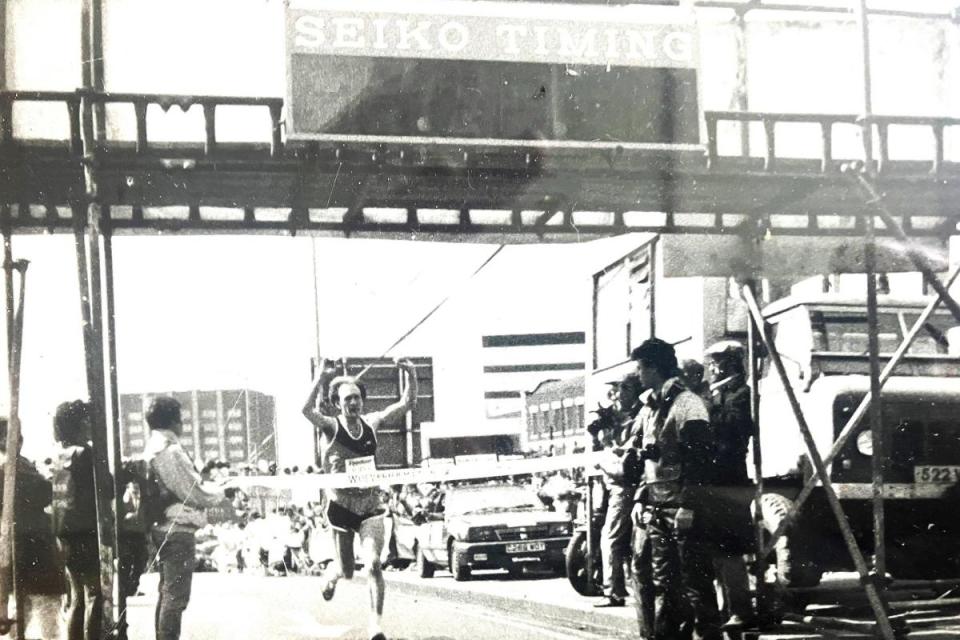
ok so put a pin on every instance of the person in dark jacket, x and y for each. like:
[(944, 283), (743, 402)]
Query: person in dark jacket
[(39, 570), (730, 416), (75, 519), (676, 422)]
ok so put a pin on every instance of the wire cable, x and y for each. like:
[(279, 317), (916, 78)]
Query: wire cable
[(432, 311)]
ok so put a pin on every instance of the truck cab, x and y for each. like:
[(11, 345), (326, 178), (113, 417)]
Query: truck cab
[(823, 343)]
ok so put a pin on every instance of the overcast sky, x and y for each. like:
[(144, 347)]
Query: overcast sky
[(237, 312)]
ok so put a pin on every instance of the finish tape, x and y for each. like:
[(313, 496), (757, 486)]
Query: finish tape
[(471, 470)]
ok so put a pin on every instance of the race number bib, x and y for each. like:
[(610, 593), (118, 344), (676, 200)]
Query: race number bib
[(361, 465)]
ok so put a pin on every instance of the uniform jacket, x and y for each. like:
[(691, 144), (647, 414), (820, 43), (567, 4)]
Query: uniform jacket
[(677, 421), (733, 428)]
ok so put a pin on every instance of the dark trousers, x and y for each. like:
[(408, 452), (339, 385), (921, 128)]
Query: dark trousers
[(176, 560), (682, 575), (615, 540), (132, 551), (81, 554), (643, 594)]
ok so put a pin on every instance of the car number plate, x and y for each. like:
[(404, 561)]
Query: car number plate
[(935, 474), (525, 547)]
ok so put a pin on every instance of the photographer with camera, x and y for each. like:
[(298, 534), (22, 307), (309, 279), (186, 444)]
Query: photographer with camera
[(620, 480)]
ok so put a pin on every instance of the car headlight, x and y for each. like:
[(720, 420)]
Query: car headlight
[(865, 443), (481, 534), (558, 529)]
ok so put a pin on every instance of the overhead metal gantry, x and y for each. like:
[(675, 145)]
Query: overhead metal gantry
[(538, 190), (471, 190)]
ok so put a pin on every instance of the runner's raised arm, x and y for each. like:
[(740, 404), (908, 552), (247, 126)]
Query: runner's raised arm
[(326, 424), (409, 398)]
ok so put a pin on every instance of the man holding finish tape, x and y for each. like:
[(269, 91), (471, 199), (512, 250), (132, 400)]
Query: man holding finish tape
[(348, 443)]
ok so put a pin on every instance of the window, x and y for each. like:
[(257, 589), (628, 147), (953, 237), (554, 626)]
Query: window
[(846, 332)]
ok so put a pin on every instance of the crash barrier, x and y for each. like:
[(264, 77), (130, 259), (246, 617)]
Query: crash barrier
[(473, 470)]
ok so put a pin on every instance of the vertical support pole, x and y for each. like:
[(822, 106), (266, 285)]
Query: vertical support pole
[(588, 561), (122, 589), (876, 415), (98, 393), (89, 270), (8, 577), (863, 21), (652, 262), (91, 56), (593, 321), (408, 419), (8, 523), (743, 95), (3, 45), (876, 412), (753, 371)]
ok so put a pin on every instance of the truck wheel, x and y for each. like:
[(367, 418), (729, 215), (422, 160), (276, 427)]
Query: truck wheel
[(424, 567), (459, 569), (576, 563), (794, 563)]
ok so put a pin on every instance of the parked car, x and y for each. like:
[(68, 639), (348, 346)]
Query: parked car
[(491, 527)]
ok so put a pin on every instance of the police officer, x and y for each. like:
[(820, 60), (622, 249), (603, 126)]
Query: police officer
[(733, 427), (676, 423)]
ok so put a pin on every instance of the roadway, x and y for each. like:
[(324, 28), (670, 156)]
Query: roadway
[(242, 607)]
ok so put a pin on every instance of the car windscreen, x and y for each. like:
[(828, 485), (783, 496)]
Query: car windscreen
[(846, 331), (490, 499)]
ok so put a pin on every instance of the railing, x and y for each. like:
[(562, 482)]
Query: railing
[(879, 124), (70, 98), (140, 103)]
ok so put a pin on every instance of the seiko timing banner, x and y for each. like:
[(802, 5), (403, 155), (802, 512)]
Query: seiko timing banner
[(438, 70)]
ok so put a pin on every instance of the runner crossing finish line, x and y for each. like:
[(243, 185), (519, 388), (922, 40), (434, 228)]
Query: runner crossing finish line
[(348, 444)]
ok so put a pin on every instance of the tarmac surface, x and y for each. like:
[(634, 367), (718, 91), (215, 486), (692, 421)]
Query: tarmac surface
[(245, 606)]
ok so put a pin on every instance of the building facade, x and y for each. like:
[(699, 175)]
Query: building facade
[(237, 426), (515, 364), (555, 416)]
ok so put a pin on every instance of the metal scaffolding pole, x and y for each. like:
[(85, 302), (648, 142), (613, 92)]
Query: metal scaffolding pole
[(121, 587), (874, 595), (87, 239), (878, 459), (8, 551), (753, 371)]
